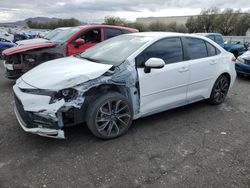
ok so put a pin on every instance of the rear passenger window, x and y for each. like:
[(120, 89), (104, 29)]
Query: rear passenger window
[(211, 50), (125, 31), (109, 33), (170, 50), (196, 48), (211, 37), (219, 40)]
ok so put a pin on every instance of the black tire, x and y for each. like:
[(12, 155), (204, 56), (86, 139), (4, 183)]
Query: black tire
[(109, 116), (220, 90)]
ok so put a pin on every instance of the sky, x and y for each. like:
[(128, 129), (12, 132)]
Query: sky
[(96, 10)]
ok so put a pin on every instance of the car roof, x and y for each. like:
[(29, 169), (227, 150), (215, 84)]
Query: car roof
[(206, 34), (108, 26), (156, 35)]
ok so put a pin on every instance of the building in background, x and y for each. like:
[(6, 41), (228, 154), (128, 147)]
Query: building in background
[(181, 20)]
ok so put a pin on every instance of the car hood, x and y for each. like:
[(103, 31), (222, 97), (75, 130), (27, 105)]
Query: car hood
[(64, 73), (246, 55), (31, 41), (28, 47)]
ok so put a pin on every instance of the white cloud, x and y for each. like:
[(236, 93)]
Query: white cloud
[(88, 10)]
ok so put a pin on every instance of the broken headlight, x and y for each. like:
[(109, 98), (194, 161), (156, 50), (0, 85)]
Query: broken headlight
[(38, 91), (66, 94)]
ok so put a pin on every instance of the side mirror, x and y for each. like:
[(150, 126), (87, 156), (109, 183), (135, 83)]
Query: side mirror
[(79, 42), (153, 63)]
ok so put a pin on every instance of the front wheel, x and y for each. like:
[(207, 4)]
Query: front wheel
[(220, 90), (109, 116)]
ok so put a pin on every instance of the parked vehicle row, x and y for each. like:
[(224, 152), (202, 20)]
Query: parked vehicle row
[(5, 45), (45, 38), (69, 41), (119, 80), (243, 64), (236, 48)]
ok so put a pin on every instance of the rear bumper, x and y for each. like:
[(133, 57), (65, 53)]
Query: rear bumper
[(52, 133)]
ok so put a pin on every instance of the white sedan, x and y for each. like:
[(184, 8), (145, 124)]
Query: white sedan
[(122, 79)]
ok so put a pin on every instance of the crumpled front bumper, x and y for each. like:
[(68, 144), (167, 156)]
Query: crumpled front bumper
[(35, 113), (52, 133)]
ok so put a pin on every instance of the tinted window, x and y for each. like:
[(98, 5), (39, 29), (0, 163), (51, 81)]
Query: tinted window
[(211, 50), (219, 40), (91, 36), (170, 50), (109, 33), (65, 35), (196, 48), (211, 37), (125, 31)]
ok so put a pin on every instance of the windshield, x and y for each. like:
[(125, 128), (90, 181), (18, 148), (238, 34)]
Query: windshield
[(64, 35), (115, 50), (52, 33)]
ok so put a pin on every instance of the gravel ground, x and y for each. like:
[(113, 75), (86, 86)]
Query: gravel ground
[(198, 145)]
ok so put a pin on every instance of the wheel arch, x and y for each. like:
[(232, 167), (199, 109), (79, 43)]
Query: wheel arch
[(97, 91)]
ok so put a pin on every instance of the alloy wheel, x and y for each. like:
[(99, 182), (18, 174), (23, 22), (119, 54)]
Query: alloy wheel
[(221, 90), (112, 118)]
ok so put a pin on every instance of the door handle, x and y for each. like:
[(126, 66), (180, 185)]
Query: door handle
[(213, 62), (183, 69)]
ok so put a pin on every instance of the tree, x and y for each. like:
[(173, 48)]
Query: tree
[(112, 20), (206, 20), (242, 25), (226, 21), (54, 24), (191, 25), (157, 26)]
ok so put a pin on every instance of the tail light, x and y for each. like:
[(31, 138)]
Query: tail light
[(234, 59)]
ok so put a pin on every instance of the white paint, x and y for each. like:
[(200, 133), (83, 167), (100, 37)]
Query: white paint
[(64, 73), (173, 85)]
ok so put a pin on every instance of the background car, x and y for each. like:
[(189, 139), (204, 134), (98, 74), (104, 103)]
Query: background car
[(5, 36), (5, 45), (45, 38), (121, 79), (235, 48), (68, 42), (243, 64)]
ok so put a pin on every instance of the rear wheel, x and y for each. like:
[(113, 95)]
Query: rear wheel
[(109, 116), (220, 90)]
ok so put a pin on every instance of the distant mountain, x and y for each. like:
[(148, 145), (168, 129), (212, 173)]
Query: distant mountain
[(35, 19), (22, 23)]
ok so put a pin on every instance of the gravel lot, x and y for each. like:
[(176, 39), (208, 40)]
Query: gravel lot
[(194, 146)]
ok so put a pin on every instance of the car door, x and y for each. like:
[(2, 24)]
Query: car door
[(164, 88), (91, 37), (202, 67)]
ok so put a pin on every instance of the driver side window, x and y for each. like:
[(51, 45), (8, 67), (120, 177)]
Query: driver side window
[(91, 36), (169, 49)]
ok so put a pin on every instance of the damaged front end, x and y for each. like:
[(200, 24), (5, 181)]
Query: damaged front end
[(47, 113), (17, 63)]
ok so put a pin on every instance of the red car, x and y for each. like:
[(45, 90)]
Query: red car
[(74, 40)]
